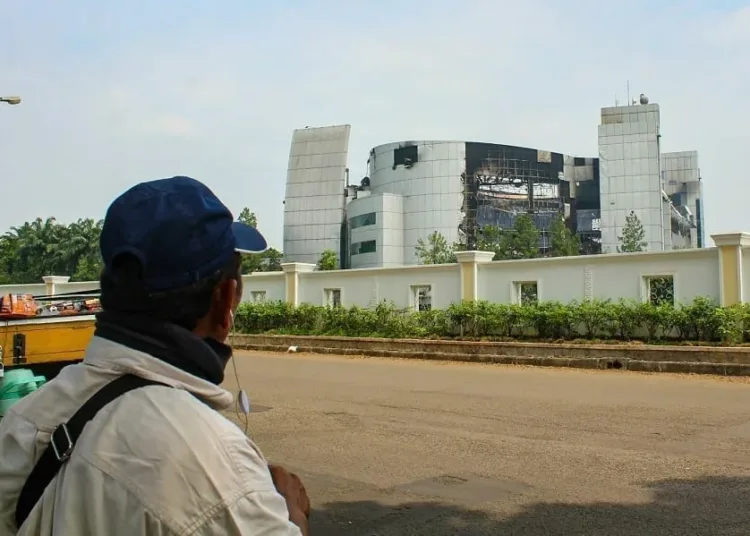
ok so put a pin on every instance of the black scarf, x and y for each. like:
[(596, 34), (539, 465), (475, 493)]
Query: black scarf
[(204, 358)]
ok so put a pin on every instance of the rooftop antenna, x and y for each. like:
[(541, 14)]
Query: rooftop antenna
[(628, 86)]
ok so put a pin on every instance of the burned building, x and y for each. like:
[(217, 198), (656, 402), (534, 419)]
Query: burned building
[(414, 188), (417, 187)]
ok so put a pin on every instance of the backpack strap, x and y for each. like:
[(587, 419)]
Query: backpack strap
[(64, 439)]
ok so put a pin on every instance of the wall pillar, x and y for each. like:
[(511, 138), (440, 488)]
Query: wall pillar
[(468, 261), (292, 281), (50, 282), (730, 266)]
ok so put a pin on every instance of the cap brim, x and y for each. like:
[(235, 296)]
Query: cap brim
[(248, 239)]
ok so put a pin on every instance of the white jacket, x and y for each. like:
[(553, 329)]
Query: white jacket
[(156, 461)]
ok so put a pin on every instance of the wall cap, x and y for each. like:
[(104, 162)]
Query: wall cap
[(475, 256), (297, 267), (55, 279), (731, 239)]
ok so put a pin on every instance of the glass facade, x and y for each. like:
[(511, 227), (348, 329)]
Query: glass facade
[(503, 182), (363, 220), (367, 246)]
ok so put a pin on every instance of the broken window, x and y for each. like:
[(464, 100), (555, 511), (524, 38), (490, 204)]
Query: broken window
[(367, 246), (363, 220), (405, 156)]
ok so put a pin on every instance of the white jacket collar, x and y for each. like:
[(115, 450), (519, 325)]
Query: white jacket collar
[(108, 355)]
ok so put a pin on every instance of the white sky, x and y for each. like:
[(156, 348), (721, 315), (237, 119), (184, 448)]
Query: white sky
[(120, 92)]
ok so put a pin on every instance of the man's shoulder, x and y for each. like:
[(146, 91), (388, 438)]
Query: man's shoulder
[(173, 453), (172, 428), (156, 450)]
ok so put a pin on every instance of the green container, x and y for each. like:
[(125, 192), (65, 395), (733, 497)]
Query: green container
[(15, 385)]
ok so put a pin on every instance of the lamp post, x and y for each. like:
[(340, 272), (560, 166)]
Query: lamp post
[(13, 100)]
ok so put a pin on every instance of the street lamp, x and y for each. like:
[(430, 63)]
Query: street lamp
[(11, 100)]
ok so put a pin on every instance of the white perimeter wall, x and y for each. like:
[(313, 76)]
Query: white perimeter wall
[(615, 276), (695, 272), (40, 289), (272, 283), (746, 274), (368, 287)]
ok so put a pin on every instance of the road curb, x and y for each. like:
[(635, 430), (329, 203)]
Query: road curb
[(671, 359)]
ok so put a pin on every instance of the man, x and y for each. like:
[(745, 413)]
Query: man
[(156, 457)]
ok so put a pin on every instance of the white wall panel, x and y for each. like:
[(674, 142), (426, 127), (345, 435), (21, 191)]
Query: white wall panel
[(695, 272), (387, 231), (369, 287), (314, 202), (271, 283), (630, 179)]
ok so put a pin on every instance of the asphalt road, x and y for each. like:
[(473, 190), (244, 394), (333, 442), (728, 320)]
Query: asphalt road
[(388, 447)]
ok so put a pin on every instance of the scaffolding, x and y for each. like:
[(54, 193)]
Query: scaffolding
[(503, 187)]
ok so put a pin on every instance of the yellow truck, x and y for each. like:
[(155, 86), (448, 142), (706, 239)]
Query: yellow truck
[(45, 344)]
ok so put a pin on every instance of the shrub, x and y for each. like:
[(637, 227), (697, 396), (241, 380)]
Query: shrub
[(553, 320), (655, 319), (595, 317), (701, 320), (624, 321)]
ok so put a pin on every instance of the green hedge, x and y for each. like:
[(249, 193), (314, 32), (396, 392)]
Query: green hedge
[(601, 320)]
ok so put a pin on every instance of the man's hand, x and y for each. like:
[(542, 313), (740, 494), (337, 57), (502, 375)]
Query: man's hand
[(291, 488)]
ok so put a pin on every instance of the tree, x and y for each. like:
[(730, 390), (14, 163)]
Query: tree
[(81, 255), (248, 218), (328, 260), (563, 243), (490, 239), (520, 242), (266, 261), (47, 247), (87, 269), (435, 250), (272, 260), (8, 249), (633, 237)]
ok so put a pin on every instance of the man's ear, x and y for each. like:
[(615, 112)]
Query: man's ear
[(224, 297)]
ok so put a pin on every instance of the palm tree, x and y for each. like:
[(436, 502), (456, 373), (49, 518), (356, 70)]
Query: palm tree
[(35, 248), (81, 251), (46, 247)]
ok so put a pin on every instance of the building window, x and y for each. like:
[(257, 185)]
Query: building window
[(526, 292), (333, 297), (362, 220), (578, 161), (367, 246), (405, 156), (258, 296), (422, 297), (660, 289)]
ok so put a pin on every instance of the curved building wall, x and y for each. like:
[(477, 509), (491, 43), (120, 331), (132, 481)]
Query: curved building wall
[(427, 175), (314, 200)]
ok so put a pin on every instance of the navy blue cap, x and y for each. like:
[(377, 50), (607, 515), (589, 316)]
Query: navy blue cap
[(178, 229)]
